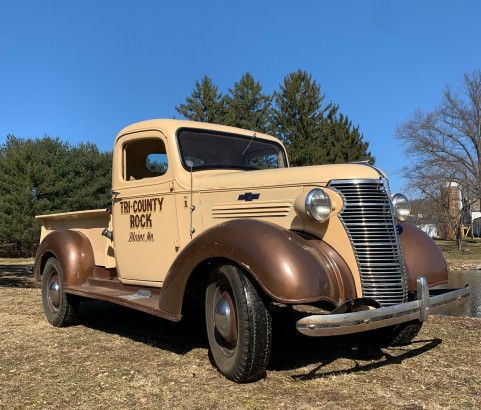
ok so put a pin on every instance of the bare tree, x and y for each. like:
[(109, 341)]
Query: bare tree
[(444, 149), (425, 213)]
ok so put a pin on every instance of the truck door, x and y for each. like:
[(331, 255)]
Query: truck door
[(144, 212)]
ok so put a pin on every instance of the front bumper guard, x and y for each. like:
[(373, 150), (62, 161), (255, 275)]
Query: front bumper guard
[(427, 302)]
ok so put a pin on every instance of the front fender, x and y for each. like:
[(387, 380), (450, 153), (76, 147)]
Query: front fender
[(290, 267), (422, 257), (74, 252)]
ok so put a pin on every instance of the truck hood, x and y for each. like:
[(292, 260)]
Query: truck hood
[(310, 175)]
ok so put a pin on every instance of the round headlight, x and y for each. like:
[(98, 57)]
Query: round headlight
[(318, 205), (402, 207)]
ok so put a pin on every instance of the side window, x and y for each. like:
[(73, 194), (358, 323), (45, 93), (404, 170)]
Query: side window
[(145, 158), (157, 163)]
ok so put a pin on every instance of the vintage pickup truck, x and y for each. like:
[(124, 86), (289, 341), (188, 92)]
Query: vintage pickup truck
[(211, 215)]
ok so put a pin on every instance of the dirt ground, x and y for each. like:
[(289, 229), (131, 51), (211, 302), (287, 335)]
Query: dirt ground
[(118, 358)]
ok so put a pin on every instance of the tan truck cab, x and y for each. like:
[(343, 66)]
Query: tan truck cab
[(211, 215)]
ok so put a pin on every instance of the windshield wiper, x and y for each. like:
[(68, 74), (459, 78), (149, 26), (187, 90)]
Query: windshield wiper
[(248, 145)]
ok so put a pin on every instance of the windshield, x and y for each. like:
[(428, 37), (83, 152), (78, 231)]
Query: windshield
[(204, 149)]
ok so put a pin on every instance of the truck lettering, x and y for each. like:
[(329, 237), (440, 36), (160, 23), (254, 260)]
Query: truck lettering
[(141, 237), (136, 237), (141, 221), (141, 206), (125, 207)]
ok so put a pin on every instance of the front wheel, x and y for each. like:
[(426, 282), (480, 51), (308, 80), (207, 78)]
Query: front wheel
[(238, 324), (61, 309), (398, 335)]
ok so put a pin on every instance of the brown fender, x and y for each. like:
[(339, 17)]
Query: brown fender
[(422, 256), (290, 267), (74, 252)]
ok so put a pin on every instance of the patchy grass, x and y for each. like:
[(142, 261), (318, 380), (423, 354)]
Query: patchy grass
[(119, 358), (471, 250)]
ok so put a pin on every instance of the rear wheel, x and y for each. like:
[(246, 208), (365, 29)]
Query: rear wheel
[(238, 325), (61, 309)]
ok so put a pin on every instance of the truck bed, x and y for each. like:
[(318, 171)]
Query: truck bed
[(91, 223)]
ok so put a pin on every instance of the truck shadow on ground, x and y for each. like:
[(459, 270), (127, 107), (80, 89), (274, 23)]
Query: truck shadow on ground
[(178, 338), (16, 276), (376, 356), (290, 349)]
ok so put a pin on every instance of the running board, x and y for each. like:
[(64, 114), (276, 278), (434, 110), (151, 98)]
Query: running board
[(135, 297)]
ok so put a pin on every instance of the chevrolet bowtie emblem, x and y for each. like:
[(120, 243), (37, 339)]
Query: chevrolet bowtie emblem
[(248, 196)]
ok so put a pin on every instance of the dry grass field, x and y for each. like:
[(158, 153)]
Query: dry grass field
[(121, 359)]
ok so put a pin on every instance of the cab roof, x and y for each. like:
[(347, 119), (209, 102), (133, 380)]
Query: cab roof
[(170, 127)]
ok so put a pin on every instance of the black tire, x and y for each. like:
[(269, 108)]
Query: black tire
[(61, 309), (398, 335), (240, 331)]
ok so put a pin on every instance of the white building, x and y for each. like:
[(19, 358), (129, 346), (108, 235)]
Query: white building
[(430, 229), (476, 218)]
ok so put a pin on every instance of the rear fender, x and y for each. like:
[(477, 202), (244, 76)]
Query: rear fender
[(290, 267), (73, 251)]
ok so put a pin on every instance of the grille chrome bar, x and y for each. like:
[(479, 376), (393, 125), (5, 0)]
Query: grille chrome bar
[(369, 222)]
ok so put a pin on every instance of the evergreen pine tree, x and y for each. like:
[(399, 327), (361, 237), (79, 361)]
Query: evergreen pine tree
[(91, 174), (344, 142), (247, 107), (16, 194), (47, 176), (314, 134), (298, 117), (205, 104)]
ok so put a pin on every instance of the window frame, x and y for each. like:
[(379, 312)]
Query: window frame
[(248, 138)]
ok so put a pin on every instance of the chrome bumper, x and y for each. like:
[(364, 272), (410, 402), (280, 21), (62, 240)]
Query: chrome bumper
[(345, 323)]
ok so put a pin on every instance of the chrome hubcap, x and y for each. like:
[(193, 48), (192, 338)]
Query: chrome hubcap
[(222, 317), (54, 292)]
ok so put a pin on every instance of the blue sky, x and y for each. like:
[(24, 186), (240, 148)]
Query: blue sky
[(83, 70)]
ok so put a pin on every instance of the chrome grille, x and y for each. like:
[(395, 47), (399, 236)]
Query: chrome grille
[(368, 218)]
